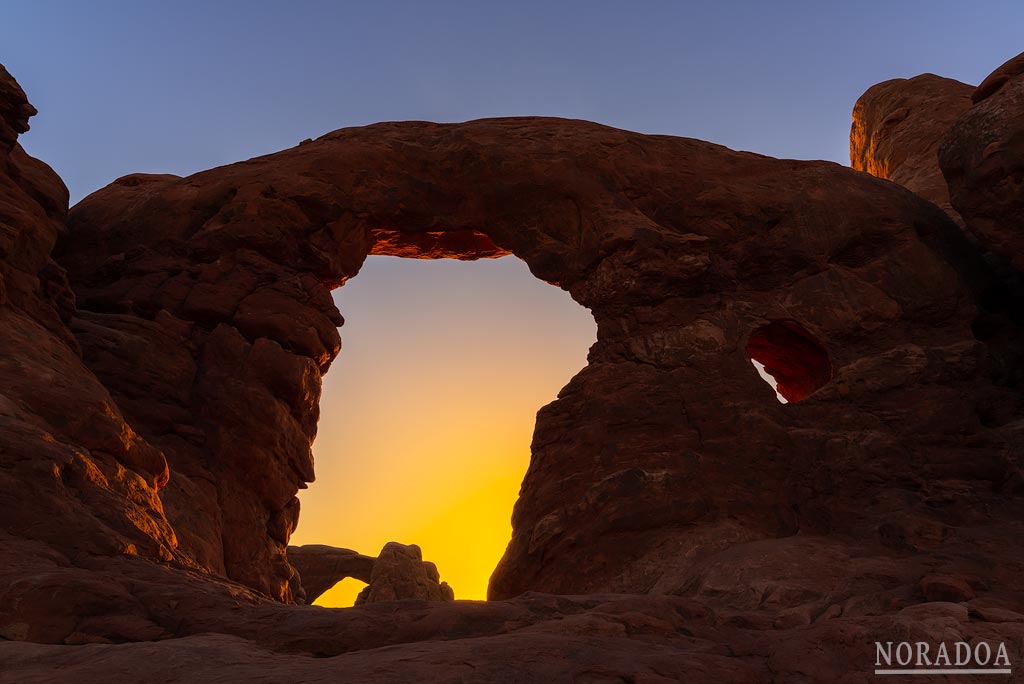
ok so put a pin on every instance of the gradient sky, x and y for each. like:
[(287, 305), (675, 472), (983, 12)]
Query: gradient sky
[(428, 412)]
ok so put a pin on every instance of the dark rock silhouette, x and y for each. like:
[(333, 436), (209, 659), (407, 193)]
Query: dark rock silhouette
[(397, 573), (320, 567), (400, 573)]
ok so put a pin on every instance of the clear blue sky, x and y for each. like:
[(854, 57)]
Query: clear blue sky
[(182, 86)]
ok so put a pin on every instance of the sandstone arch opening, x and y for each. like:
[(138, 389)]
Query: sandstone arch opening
[(428, 412), (796, 363)]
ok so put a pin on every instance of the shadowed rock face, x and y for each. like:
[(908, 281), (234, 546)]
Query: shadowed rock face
[(155, 431), (76, 480), (926, 131), (982, 158)]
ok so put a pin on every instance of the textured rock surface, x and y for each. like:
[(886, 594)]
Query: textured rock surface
[(798, 364), (76, 482), (982, 157), (897, 128), (400, 573), (533, 639), (680, 248), (320, 567), (921, 132), (149, 482)]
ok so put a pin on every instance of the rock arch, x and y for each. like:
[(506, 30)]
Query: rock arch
[(665, 467), (215, 288)]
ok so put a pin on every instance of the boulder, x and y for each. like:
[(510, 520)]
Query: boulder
[(897, 128), (400, 573)]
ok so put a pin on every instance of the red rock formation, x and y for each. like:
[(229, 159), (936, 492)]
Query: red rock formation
[(623, 472), (219, 275), (901, 129), (897, 127), (982, 158), (774, 542), (400, 573), (77, 484)]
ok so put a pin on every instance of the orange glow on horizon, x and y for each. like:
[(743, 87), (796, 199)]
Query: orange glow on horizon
[(428, 413)]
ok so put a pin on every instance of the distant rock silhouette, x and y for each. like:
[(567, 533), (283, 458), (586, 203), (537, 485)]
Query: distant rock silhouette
[(400, 573), (320, 567), (397, 573)]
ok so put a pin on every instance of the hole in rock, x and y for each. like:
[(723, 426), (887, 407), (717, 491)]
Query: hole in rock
[(427, 414), (342, 594), (789, 359)]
